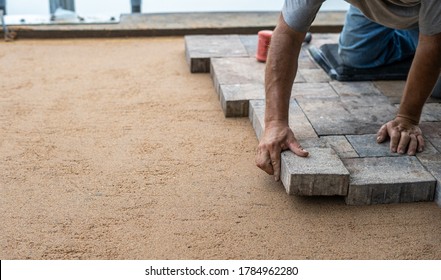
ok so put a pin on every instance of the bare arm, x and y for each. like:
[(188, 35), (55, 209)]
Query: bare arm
[(403, 131), (280, 73)]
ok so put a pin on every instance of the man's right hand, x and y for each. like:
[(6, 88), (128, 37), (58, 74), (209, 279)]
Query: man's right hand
[(276, 138)]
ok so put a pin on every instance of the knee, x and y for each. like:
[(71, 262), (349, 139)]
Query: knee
[(355, 58)]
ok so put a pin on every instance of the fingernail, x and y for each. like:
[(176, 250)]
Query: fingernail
[(401, 151), (276, 179), (394, 150), (378, 138)]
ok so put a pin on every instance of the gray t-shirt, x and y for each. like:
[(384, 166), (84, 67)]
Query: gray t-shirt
[(397, 14)]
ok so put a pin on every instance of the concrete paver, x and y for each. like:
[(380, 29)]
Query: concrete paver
[(334, 117), (234, 71), (388, 180), (250, 44), (340, 145), (314, 75), (321, 173), (337, 123), (313, 90), (432, 132), (235, 98), (366, 146), (297, 120), (431, 112), (199, 49), (355, 88), (432, 162)]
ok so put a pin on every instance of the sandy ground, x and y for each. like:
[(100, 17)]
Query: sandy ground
[(111, 149)]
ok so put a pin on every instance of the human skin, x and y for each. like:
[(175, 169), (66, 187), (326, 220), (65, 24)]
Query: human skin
[(281, 69)]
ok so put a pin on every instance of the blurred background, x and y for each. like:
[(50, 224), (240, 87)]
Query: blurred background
[(116, 7)]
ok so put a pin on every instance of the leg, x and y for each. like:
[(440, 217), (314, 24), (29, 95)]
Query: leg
[(366, 44)]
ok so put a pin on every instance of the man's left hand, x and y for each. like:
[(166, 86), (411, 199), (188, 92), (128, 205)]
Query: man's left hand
[(405, 136)]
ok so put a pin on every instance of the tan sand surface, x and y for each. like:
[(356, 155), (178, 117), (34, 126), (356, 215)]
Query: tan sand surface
[(111, 149)]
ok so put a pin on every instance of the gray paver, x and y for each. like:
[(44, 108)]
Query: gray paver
[(199, 49), (235, 98), (297, 120), (432, 132), (314, 75), (313, 90), (438, 194), (234, 71), (367, 146), (334, 117), (360, 94), (431, 112), (392, 89), (305, 60), (321, 173), (239, 70), (432, 162), (257, 116), (355, 88), (388, 180), (341, 146), (250, 44), (320, 39)]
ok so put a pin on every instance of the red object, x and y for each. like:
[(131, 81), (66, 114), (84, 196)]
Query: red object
[(264, 40)]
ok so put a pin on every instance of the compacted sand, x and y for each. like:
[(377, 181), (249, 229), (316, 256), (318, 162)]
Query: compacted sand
[(111, 149)]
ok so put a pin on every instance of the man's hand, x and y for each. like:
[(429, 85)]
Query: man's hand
[(277, 138), (405, 136)]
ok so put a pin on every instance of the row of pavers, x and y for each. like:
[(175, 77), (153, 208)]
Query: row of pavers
[(335, 121)]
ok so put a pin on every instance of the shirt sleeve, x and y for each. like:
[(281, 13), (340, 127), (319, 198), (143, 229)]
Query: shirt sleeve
[(430, 17), (299, 14)]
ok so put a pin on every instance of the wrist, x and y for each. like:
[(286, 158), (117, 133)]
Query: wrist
[(408, 119), (276, 124)]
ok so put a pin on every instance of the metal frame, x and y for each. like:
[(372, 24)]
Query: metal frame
[(136, 6), (65, 4), (3, 6)]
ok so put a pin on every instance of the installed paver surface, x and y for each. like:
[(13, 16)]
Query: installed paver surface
[(335, 121)]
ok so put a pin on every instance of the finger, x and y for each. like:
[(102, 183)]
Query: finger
[(404, 142), (382, 134), (263, 161), (297, 149), (394, 135), (421, 143), (413, 145), (275, 162)]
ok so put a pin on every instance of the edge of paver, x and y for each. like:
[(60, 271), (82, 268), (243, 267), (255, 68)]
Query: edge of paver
[(438, 194), (323, 173), (367, 193)]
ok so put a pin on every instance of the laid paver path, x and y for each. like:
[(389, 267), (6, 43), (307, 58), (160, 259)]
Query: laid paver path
[(335, 121)]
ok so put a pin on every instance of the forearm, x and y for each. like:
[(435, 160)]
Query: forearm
[(422, 77), (280, 72)]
